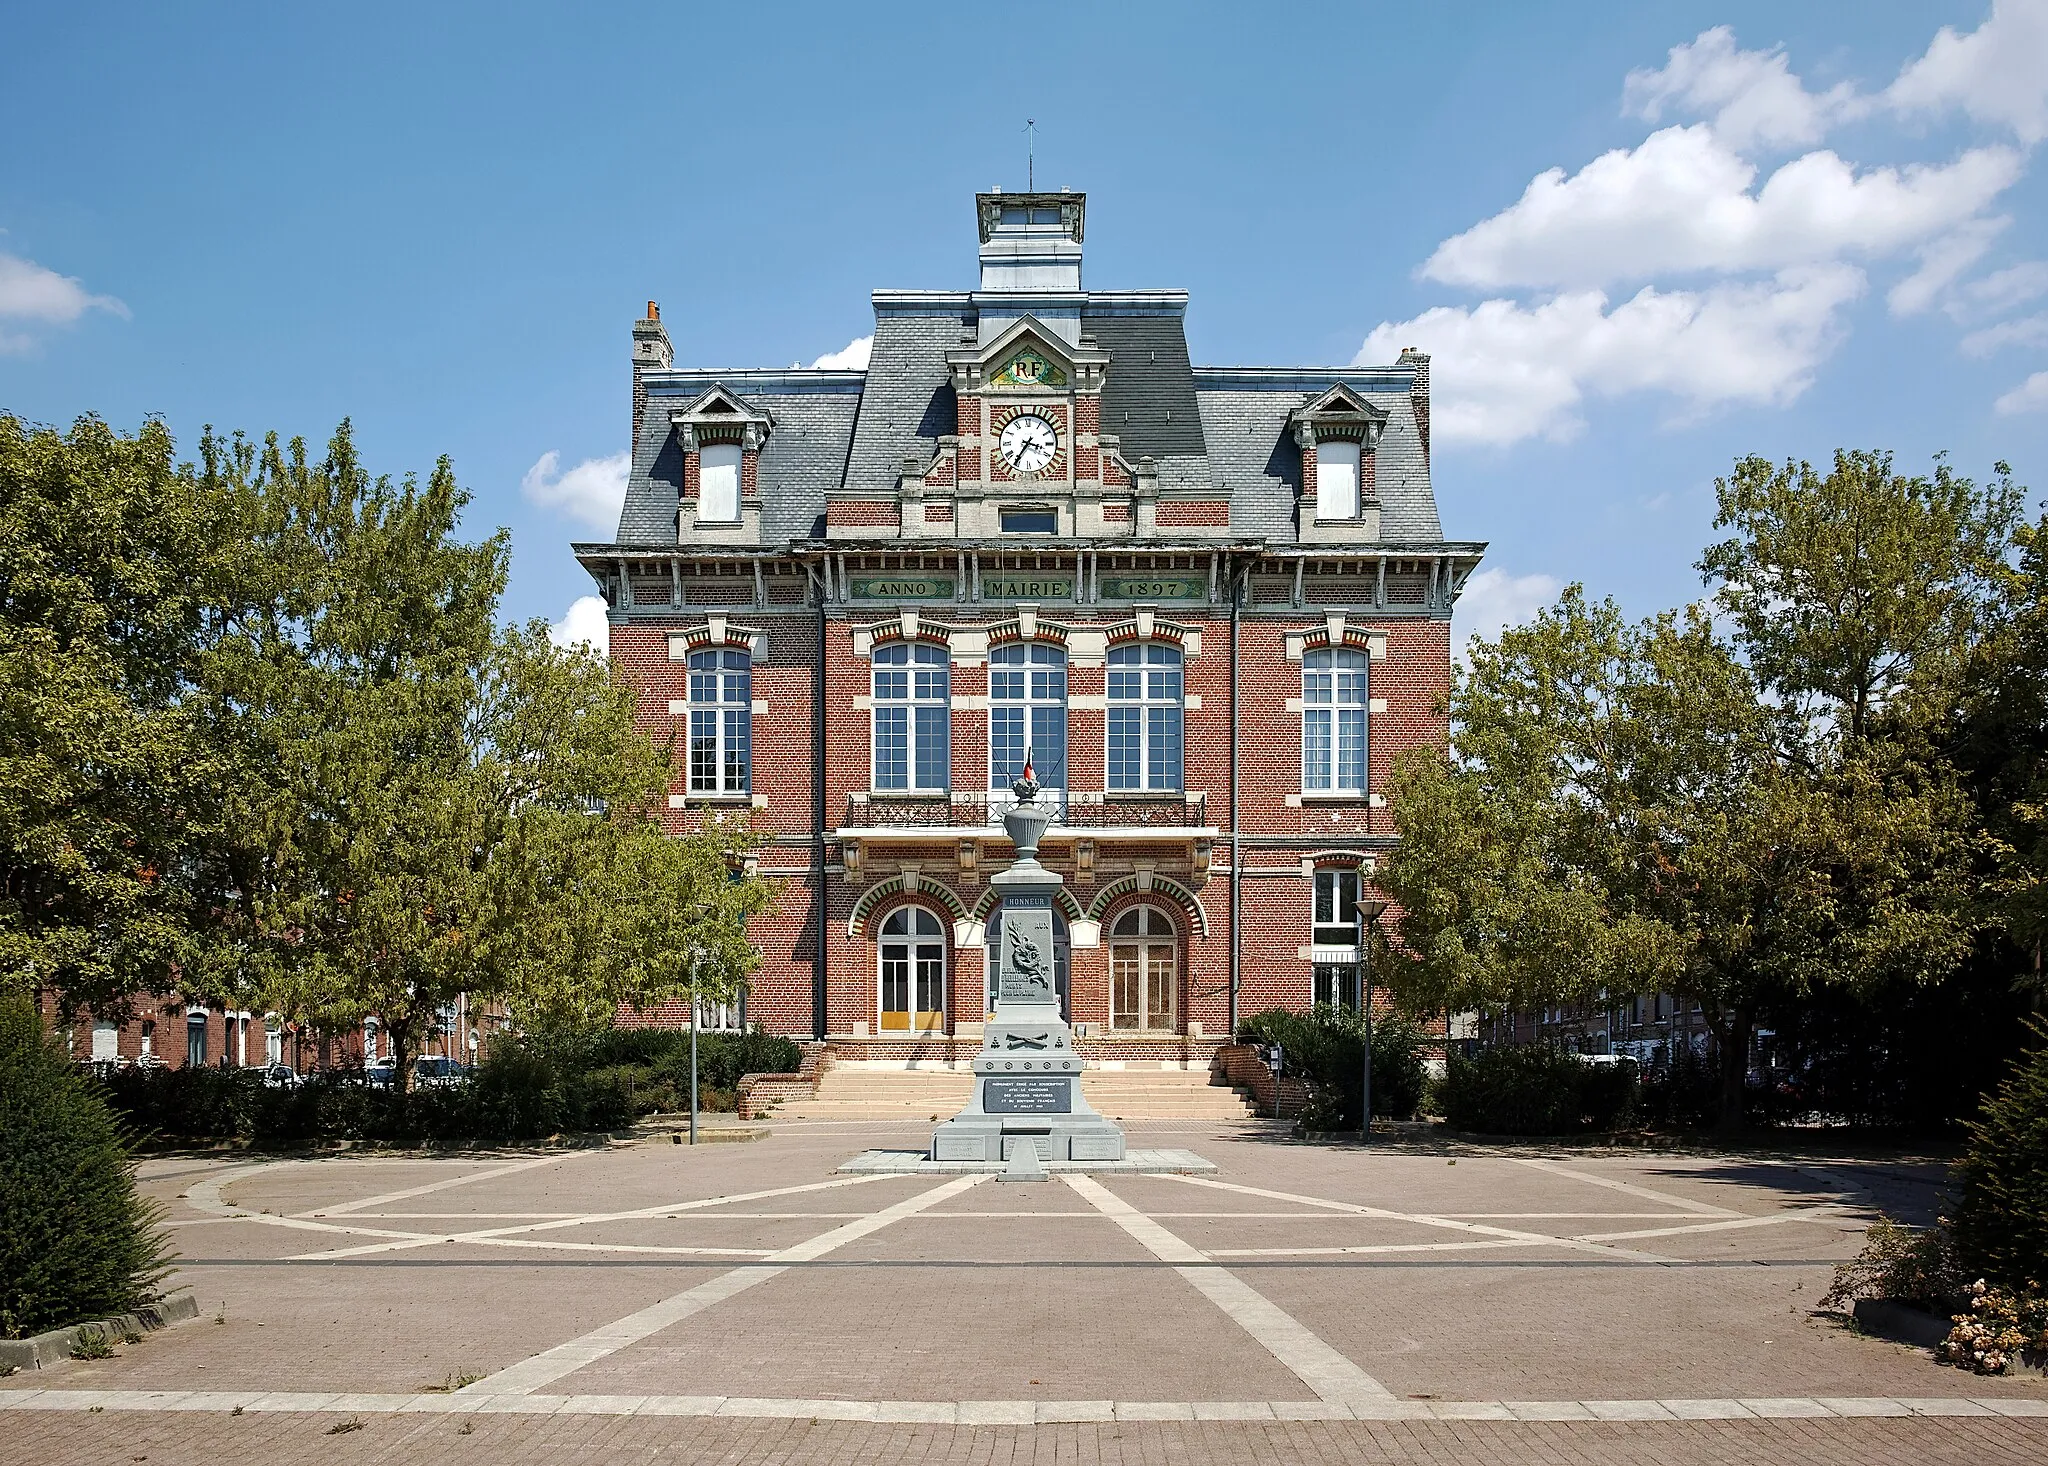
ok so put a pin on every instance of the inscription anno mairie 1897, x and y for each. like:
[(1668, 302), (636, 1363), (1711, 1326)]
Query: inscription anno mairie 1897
[(1154, 587), (904, 588), (1027, 587)]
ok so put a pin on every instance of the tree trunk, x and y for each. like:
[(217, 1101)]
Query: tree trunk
[(1733, 1041)]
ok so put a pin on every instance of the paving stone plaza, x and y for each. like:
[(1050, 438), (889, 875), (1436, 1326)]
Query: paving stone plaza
[(756, 1301)]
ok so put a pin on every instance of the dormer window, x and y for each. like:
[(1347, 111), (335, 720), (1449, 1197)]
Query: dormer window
[(1337, 479), (1337, 433), (1031, 521), (718, 480)]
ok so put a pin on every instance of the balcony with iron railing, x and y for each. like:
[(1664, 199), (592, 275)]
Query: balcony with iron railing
[(1095, 813)]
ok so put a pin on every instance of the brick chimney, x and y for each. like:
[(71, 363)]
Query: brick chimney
[(651, 352), (1419, 393)]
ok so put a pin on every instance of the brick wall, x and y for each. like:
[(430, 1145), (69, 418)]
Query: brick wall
[(1282, 829)]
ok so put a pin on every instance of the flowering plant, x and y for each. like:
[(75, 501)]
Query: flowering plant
[(2001, 1328)]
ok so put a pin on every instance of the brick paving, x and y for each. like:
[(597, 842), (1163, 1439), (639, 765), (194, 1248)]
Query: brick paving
[(1447, 1284), (175, 1439)]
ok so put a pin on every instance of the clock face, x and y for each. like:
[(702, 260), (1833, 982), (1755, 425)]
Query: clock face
[(1028, 443)]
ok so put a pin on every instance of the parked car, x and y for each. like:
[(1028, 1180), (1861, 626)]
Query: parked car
[(381, 1071), (281, 1076), (436, 1070)]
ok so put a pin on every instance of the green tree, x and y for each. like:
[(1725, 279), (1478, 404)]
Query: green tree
[(77, 1242), (263, 740), (115, 574), (450, 808), (1740, 821), (1999, 737)]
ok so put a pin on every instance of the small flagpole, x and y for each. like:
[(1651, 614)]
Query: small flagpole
[(1031, 155)]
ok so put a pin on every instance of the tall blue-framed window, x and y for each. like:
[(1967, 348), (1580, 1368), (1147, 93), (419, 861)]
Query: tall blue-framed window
[(913, 742), (721, 721), (1145, 687), (1027, 711), (1333, 705)]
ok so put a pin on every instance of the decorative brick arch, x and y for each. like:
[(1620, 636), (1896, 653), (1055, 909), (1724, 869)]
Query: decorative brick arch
[(716, 631), (1069, 906), (1146, 628), (901, 885), (1165, 889), (1355, 638), (1026, 628)]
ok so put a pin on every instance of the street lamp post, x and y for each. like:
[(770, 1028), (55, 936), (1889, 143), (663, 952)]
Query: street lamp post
[(695, 958), (1368, 913)]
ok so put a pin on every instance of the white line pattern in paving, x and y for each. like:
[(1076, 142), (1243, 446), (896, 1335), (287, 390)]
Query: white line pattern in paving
[(1332, 1376), (552, 1364)]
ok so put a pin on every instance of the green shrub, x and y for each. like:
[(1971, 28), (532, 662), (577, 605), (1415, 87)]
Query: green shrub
[(1532, 1089), (76, 1241), (2001, 1216), (1905, 1264), (1325, 1049)]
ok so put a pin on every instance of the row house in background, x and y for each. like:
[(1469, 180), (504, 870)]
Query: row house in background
[(1211, 604), (179, 1033)]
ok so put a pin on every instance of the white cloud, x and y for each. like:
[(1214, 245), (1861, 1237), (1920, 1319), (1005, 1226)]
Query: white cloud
[(1506, 371), (1682, 201), (1750, 96), (1998, 74), (37, 296), (1942, 261), (852, 357), (2001, 290), (1493, 600), (2029, 396), (584, 624), (2026, 331), (591, 492)]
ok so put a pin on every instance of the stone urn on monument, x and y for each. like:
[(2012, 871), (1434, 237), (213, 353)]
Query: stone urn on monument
[(1027, 1077)]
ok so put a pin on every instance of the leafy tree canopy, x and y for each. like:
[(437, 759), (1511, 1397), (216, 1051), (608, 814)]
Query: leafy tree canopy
[(272, 746)]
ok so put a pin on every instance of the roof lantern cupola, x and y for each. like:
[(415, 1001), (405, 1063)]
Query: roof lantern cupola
[(1030, 262), (1031, 241)]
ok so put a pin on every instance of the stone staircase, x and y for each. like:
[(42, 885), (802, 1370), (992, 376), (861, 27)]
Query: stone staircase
[(845, 1092)]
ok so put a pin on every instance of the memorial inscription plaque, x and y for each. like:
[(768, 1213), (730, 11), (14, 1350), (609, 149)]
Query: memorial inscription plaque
[(1005, 1094)]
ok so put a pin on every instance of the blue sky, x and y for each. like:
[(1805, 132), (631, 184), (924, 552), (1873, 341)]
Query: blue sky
[(1822, 225)]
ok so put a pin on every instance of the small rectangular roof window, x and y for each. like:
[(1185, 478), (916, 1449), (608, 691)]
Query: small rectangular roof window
[(1031, 521)]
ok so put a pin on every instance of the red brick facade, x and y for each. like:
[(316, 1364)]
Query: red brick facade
[(1131, 527)]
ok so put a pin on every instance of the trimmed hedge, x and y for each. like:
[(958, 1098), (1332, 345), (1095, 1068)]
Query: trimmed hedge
[(528, 1088), (1325, 1048), (1532, 1089), (76, 1240), (2000, 1223)]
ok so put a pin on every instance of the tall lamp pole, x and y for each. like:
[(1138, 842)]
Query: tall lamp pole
[(696, 956), (1368, 914)]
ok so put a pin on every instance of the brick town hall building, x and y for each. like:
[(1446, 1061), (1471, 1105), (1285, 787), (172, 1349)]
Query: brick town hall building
[(1213, 603)]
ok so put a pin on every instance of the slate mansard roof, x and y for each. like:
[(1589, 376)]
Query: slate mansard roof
[(1220, 430)]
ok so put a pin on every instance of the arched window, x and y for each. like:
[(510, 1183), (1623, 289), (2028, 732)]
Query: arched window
[(913, 971), (1333, 721), (913, 736), (1062, 957), (1145, 717), (1336, 479), (721, 721), (1027, 711), (718, 483), (195, 1040), (1144, 969)]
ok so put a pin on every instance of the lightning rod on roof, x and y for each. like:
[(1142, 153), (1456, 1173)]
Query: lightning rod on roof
[(1030, 155)]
